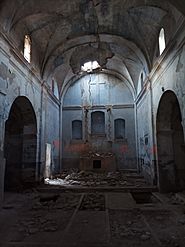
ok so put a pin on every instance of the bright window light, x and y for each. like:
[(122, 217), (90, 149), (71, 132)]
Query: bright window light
[(27, 48), (89, 66), (162, 43)]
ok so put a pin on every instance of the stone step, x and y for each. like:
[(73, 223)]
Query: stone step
[(55, 189)]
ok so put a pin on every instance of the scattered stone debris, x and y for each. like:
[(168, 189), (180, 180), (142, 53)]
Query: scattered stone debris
[(174, 199), (64, 201), (93, 201), (36, 224), (146, 236), (44, 211), (94, 179), (129, 225), (91, 155), (40, 215)]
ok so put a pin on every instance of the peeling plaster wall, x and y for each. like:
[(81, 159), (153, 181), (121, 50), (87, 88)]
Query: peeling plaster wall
[(18, 79), (146, 148), (52, 131), (168, 75), (105, 93)]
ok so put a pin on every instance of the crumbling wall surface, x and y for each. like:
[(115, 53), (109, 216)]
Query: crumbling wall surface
[(51, 122), (19, 79), (168, 75), (146, 148), (110, 96)]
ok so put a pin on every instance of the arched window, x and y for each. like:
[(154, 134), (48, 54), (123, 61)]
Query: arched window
[(142, 80), (77, 130), (27, 48), (119, 128), (162, 43), (98, 123)]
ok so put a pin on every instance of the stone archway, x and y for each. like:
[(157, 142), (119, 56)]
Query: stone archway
[(20, 145), (170, 144)]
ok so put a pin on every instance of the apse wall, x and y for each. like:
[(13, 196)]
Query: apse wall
[(98, 118)]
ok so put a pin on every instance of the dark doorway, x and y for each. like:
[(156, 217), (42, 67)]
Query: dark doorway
[(170, 144), (20, 145), (97, 164)]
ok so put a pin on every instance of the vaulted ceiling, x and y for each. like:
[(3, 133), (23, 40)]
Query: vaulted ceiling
[(122, 35)]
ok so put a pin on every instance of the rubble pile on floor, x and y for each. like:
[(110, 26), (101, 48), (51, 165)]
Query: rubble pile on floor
[(95, 155), (44, 211), (94, 179), (50, 201), (129, 230)]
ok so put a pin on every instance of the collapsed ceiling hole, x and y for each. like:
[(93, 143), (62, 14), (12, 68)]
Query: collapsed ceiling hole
[(90, 66)]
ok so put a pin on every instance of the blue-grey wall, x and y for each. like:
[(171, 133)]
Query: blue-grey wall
[(110, 95)]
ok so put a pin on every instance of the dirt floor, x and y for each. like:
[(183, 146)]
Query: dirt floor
[(93, 217)]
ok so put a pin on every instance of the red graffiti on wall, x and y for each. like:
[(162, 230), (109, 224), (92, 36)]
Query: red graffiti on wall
[(124, 148), (153, 149), (56, 144), (77, 148)]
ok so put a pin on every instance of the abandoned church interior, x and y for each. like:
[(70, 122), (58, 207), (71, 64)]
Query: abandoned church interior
[(92, 123)]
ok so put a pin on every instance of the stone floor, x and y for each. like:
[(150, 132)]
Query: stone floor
[(62, 217)]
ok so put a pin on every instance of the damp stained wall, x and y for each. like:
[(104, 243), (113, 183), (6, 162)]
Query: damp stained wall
[(110, 96), (18, 78), (167, 74)]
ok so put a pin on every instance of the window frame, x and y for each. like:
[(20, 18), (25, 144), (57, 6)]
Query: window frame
[(98, 133), (27, 48), (72, 131), (162, 41), (124, 130)]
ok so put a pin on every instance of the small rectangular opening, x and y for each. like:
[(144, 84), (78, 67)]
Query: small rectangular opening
[(96, 164), (142, 197)]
